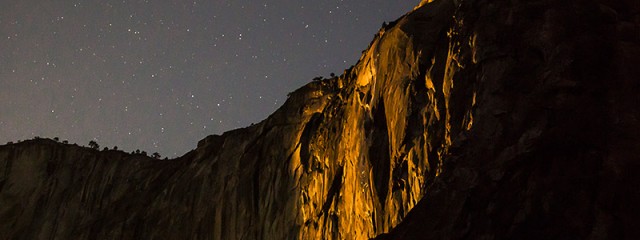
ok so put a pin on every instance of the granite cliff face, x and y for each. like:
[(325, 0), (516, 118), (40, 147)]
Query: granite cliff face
[(463, 119), (554, 150)]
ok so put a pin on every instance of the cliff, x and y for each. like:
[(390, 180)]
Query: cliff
[(554, 150), (463, 119)]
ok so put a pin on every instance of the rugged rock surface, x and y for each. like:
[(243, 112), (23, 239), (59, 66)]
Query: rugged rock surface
[(554, 150), (498, 119)]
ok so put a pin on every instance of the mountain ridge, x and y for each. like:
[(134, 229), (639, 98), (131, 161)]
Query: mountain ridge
[(285, 177), (462, 119)]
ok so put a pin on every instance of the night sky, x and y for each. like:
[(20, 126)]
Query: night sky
[(161, 75)]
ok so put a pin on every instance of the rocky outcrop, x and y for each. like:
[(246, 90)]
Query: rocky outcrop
[(554, 150), (472, 119)]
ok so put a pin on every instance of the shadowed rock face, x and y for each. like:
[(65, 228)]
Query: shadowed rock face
[(554, 149), (467, 119)]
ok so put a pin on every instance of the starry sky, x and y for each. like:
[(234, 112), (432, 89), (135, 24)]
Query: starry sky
[(159, 75)]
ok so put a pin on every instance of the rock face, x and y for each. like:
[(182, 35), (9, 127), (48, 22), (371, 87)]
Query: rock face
[(554, 149), (467, 119)]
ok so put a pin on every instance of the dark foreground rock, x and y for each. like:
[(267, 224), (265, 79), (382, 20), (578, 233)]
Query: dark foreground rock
[(554, 151), (463, 119)]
